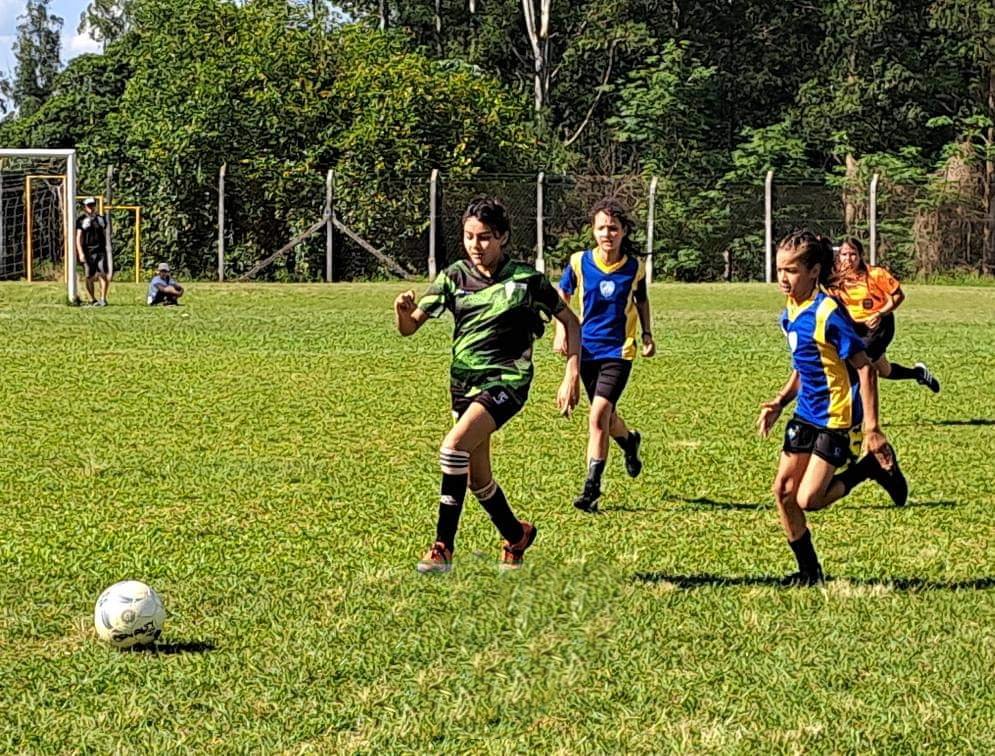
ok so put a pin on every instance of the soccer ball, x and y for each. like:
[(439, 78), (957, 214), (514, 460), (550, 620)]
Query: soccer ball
[(128, 614)]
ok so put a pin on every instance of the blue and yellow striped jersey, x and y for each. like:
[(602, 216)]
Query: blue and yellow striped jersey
[(608, 296), (821, 338)]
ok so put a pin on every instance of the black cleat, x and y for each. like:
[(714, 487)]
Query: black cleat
[(588, 500), (892, 481), (633, 465), (804, 579), (926, 378)]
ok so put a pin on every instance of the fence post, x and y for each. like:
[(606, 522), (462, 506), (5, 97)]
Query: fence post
[(872, 219), (109, 200), (768, 226), (650, 227), (329, 226), (433, 220), (540, 237), (221, 221)]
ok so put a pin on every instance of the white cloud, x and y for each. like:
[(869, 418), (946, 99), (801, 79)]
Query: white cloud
[(77, 44)]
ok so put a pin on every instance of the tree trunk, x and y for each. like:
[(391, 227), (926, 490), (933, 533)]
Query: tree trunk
[(384, 12)]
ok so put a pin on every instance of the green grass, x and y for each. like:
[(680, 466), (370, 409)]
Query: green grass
[(265, 457)]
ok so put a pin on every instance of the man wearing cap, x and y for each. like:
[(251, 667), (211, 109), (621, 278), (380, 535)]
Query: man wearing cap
[(163, 289), (91, 250)]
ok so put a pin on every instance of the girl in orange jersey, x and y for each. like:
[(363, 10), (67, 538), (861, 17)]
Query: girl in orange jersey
[(871, 295)]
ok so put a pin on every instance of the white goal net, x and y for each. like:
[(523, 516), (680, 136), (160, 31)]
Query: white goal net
[(37, 208)]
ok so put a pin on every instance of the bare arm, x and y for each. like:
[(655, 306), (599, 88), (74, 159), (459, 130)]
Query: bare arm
[(771, 411), (894, 300), (79, 244), (408, 317), (874, 439), (646, 326), (560, 335), (569, 392)]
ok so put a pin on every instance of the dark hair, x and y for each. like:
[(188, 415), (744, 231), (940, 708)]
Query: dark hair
[(491, 212), (812, 249), (615, 209)]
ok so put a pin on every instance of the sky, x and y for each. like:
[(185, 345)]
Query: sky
[(72, 43)]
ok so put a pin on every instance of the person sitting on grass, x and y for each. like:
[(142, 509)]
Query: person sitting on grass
[(163, 289)]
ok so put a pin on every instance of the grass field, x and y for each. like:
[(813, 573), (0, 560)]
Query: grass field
[(266, 458)]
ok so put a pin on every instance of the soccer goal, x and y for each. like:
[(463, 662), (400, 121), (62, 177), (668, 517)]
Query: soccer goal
[(37, 206)]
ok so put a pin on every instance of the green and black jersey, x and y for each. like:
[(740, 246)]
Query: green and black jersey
[(497, 319)]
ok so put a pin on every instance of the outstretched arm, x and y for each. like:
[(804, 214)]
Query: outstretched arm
[(771, 411), (408, 317)]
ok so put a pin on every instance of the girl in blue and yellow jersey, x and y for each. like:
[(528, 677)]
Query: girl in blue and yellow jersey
[(836, 388), (610, 281), (871, 295)]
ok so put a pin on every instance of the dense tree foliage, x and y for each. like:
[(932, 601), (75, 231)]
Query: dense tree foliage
[(706, 95)]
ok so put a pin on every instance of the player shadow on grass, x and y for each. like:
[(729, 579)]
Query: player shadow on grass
[(170, 648), (912, 503), (911, 584), (979, 421), (703, 502)]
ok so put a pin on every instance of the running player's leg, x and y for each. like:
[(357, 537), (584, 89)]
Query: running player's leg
[(790, 472), (473, 428), (597, 452), (518, 534), (628, 441)]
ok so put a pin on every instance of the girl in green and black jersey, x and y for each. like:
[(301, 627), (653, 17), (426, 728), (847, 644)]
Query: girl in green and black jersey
[(500, 307)]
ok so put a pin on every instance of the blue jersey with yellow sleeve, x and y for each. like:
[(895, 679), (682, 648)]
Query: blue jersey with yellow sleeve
[(608, 296), (822, 338)]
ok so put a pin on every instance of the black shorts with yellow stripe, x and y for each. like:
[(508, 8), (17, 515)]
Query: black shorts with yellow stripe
[(835, 445)]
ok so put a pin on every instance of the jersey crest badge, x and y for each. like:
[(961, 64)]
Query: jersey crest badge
[(607, 288)]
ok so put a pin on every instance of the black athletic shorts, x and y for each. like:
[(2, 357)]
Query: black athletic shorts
[(95, 263), (876, 342), (834, 445), (605, 378), (501, 402)]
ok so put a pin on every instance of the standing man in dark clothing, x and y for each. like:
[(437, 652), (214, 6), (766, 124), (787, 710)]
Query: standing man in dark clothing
[(91, 250)]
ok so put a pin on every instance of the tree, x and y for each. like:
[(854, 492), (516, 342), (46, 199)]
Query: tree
[(36, 57), (105, 21)]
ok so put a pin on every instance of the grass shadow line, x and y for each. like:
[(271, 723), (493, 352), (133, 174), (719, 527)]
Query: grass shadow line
[(910, 584), (945, 503), (171, 648), (704, 501)]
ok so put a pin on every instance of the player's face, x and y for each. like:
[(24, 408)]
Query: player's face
[(794, 279), (482, 245), (848, 258), (608, 233)]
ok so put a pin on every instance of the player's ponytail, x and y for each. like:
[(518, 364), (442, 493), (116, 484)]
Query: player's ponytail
[(615, 209)]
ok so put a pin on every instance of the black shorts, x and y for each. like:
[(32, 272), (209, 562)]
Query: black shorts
[(502, 403), (95, 263), (834, 445), (876, 342), (162, 298), (606, 378)]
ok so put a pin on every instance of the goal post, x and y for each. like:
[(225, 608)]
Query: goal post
[(28, 161)]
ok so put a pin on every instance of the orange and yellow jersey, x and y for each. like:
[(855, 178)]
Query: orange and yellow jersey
[(822, 338), (866, 294)]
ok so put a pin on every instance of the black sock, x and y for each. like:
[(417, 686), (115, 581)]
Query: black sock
[(455, 467), (856, 473), (595, 469), (494, 502), (623, 441), (808, 562), (902, 373)]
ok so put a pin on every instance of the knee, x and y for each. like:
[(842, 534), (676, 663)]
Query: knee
[(784, 491), (599, 421), (809, 501)]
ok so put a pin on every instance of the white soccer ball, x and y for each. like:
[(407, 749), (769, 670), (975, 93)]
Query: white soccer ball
[(128, 614)]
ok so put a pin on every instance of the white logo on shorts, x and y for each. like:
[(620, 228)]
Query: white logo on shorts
[(500, 398), (607, 288)]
